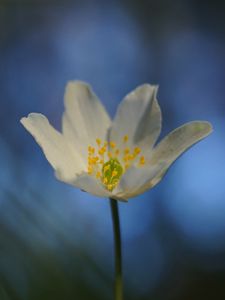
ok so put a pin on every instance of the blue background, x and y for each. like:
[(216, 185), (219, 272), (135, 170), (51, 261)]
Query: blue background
[(56, 241)]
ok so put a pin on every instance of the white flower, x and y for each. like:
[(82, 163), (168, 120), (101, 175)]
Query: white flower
[(115, 159)]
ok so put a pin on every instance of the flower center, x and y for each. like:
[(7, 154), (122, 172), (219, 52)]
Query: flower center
[(111, 173), (108, 163)]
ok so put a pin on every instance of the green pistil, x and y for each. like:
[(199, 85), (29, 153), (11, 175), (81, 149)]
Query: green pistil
[(111, 173)]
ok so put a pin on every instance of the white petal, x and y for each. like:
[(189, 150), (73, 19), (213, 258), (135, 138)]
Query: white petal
[(137, 180), (177, 142), (139, 117), (85, 118), (53, 144), (134, 181), (88, 184)]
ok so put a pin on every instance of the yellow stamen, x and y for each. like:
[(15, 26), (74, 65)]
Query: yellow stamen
[(102, 150), (142, 160), (108, 163), (91, 150), (117, 152), (98, 141), (137, 150), (92, 160), (130, 157), (125, 138), (112, 144)]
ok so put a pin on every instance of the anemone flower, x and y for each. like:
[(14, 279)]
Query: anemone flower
[(112, 158), (116, 159)]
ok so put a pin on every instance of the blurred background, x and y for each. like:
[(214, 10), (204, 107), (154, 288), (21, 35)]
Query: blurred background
[(56, 242)]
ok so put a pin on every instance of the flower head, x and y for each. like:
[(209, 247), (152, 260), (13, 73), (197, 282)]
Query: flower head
[(118, 158)]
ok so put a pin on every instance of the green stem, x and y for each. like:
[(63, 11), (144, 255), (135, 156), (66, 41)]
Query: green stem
[(117, 250)]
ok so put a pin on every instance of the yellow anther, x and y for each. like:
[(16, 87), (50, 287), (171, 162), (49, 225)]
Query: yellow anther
[(137, 150), (142, 160), (112, 144), (102, 150), (130, 157), (109, 154), (98, 141), (125, 138), (91, 160), (91, 150), (127, 150), (101, 161), (117, 152)]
